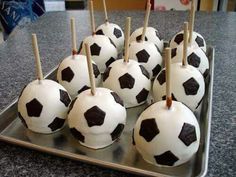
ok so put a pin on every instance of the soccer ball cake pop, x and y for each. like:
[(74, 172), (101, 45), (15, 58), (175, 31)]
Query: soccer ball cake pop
[(152, 35), (146, 53), (167, 133), (111, 30), (188, 81), (72, 72), (97, 116), (195, 38), (103, 49), (43, 104), (128, 78)]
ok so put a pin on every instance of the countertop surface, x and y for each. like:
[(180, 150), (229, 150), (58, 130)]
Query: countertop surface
[(17, 69)]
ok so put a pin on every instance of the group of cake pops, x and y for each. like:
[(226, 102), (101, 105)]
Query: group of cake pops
[(167, 132)]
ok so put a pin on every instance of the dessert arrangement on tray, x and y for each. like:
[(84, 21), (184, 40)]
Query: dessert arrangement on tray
[(94, 89)]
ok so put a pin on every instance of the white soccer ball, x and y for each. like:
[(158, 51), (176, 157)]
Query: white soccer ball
[(103, 50), (148, 55), (130, 81), (187, 82), (167, 137), (73, 74), (97, 120), (114, 32), (43, 107), (152, 35), (197, 40)]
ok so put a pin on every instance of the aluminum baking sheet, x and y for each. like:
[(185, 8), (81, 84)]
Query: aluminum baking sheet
[(121, 155)]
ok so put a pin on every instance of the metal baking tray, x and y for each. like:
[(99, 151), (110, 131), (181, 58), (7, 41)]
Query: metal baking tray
[(121, 155)]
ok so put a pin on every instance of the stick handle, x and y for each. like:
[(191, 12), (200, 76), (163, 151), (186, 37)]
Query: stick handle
[(105, 10), (92, 17), (73, 36), (185, 45), (168, 81), (127, 36), (145, 25), (90, 69), (191, 21), (37, 58)]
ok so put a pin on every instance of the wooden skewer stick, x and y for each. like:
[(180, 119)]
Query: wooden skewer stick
[(127, 38), (185, 44), (168, 81), (37, 58), (105, 11), (90, 69), (73, 36), (92, 17), (145, 25), (191, 21)]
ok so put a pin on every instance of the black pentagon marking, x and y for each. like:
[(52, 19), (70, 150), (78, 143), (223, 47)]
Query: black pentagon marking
[(191, 86), (99, 32), (106, 74), (142, 96), (71, 105), (117, 33), (167, 158), (162, 77), (199, 103), (22, 91), (142, 56), (67, 74), (199, 41), (117, 98), (144, 71), (188, 134), (95, 49), (117, 131), (64, 97), (205, 74), (148, 129), (22, 120), (172, 95), (80, 47), (156, 70), (94, 116), (138, 38), (83, 89), (56, 124), (194, 60), (77, 134), (173, 52), (133, 141), (179, 38), (157, 48), (110, 61), (96, 71), (34, 108), (112, 43), (126, 81), (59, 140)]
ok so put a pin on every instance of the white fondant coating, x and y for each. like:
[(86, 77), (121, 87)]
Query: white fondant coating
[(204, 62), (107, 50), (47, 93), (154, 59), (173, 44), (150, 35), (97, 136), (118, 69), (169, 123), (179, 75), (108, 30), (78, 64)]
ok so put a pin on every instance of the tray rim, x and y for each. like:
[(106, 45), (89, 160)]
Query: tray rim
[(111, 165)]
